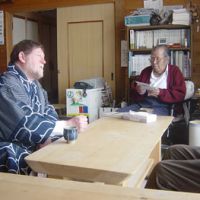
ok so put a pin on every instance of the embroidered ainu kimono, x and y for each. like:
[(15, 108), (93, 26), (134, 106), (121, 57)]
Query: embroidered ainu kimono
[(26, 119)]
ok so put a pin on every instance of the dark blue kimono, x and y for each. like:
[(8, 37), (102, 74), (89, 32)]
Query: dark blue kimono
[(26, 119)]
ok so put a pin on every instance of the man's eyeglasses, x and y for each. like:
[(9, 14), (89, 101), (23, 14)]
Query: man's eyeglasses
[(157, 59)]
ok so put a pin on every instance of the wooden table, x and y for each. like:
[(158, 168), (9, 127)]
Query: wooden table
[(111, 150), (35, 188)]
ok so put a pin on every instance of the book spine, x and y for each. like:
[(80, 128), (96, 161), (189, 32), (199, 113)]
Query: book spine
[(132, 39)]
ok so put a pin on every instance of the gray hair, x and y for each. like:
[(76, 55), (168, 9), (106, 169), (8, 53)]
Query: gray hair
[(166, 51)]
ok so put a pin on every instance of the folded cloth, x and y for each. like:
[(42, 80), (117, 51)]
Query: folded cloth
[(140, 116)]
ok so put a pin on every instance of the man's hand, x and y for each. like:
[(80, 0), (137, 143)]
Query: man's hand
[(140, 89), (81, 122), (154, 92)]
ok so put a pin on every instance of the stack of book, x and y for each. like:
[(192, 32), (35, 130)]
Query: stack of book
[(181, 16)]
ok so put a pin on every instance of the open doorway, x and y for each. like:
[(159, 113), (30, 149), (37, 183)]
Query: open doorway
[(41, 26)]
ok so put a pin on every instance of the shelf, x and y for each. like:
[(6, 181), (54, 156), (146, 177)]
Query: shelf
[(148, 50), (167, 26)]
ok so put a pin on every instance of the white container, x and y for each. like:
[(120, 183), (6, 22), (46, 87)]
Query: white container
[(106, 111), (194, 133), (80, 102)]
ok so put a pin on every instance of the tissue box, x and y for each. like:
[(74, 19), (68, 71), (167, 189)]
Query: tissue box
[(137, 20)]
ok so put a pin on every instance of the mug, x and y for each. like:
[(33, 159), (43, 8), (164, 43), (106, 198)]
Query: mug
[(70, 134)]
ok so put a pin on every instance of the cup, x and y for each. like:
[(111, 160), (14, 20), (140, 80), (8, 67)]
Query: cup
[(70, 134), (194, 133)]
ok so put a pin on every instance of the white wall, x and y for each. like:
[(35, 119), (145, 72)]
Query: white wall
[(24, 29)]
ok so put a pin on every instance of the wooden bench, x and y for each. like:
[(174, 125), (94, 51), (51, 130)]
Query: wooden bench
[(36, 188)]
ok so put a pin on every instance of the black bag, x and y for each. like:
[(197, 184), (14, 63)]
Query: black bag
[(82, 85), (155, 19)]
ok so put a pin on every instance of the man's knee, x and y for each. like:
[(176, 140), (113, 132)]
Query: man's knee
[(160, 167), (162, 175), (174, 151), (155, 179)]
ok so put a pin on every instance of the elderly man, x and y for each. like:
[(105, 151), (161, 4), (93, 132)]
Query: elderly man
[(166, 83), (27, 120)]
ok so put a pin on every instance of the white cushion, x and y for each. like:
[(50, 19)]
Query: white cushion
[(189, 89)]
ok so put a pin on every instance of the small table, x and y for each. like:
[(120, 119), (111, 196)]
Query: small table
[(111, 150)]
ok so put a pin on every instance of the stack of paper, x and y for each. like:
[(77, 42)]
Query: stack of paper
[(181, 16), (140, 116)]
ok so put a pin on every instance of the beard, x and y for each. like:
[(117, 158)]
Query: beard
[(36, 75)]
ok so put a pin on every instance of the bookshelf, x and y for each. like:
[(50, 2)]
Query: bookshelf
[(141, 40)]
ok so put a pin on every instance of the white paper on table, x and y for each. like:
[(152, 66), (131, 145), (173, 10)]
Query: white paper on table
[(140, 116)]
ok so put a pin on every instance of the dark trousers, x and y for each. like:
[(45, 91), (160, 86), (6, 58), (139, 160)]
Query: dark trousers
[(179, 170), (158, 107)]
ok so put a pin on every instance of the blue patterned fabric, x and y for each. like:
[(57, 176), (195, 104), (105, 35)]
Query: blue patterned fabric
[(12, 158), (26, 119)]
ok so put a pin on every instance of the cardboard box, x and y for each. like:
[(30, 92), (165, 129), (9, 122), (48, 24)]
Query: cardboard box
[(80, 102)]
